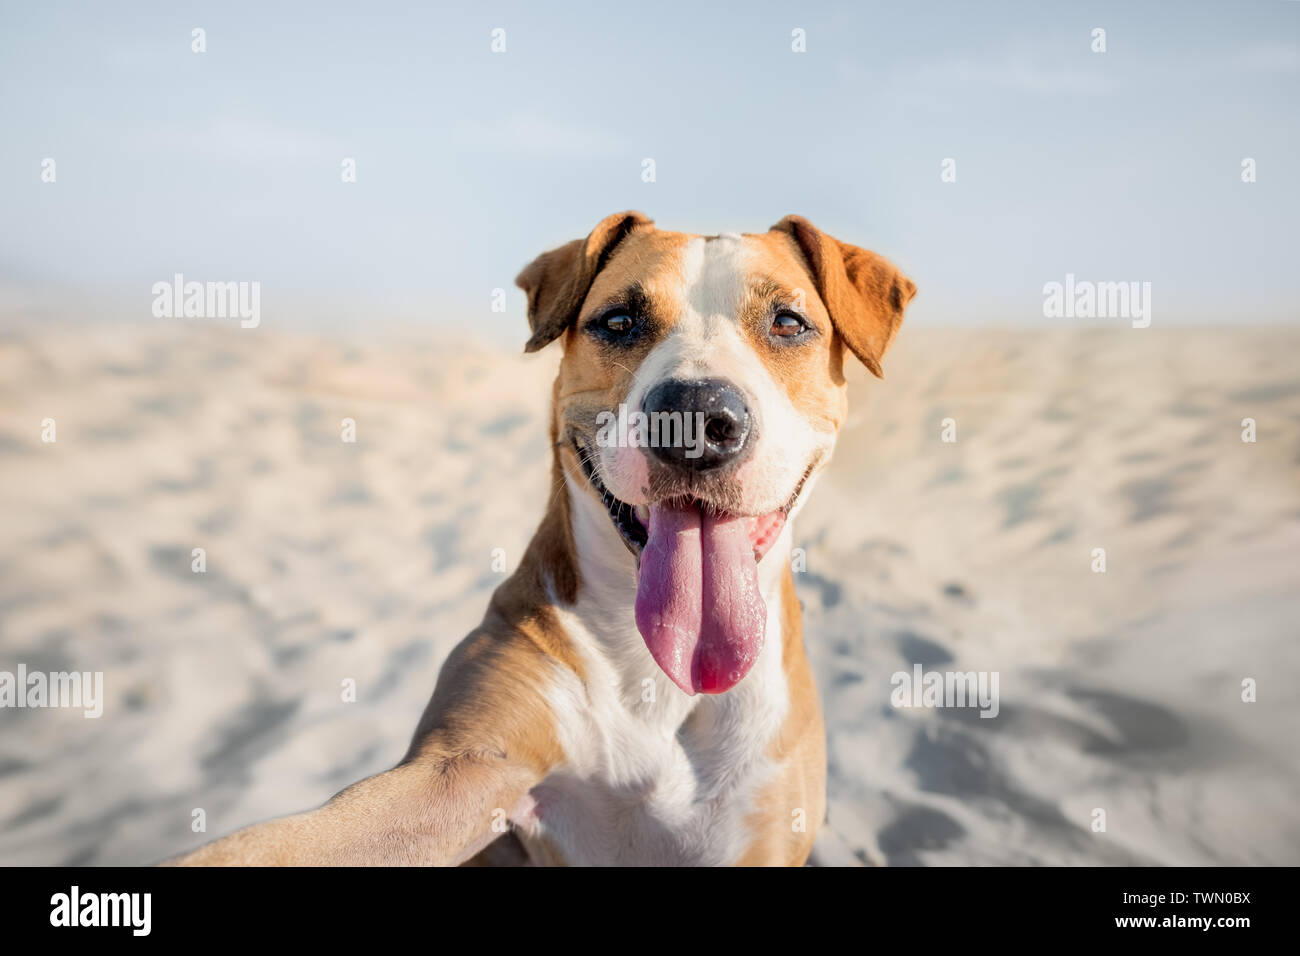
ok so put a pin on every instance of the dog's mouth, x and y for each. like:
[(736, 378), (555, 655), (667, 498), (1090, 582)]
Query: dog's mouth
[(698, 602), (632, 521), (627, 522)]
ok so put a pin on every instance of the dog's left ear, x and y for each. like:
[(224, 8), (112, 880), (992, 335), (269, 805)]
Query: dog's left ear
[(864, 293), (558, 281)]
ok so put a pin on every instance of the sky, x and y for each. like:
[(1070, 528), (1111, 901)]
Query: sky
[(1123, 165)]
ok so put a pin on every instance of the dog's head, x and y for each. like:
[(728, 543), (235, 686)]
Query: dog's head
[(700, 392)]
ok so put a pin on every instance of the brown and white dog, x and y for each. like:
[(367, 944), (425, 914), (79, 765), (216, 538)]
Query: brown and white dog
[(638, 691)]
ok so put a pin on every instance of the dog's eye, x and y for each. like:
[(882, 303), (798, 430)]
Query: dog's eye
[(620, 323), (787, 325)]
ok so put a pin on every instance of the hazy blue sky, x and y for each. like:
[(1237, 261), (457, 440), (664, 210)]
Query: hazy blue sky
[(1123, 165)]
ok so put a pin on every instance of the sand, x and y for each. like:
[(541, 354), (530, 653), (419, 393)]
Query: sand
[(330, 561)]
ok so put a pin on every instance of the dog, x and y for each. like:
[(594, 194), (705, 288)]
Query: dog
[(638, 691)]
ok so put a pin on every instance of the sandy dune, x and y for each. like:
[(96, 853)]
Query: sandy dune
[(328, 561)]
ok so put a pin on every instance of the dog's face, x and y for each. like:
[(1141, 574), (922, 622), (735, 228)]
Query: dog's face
[(700, 392)]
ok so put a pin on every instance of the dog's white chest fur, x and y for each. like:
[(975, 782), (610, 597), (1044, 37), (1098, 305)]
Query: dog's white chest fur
[(651, 776)]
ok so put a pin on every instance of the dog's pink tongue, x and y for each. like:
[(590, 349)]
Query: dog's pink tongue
[(698, 604)]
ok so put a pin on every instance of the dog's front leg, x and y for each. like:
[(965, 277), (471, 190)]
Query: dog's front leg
[(436, 810), (485, 739)]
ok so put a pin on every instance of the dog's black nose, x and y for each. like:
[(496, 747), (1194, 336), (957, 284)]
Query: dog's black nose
[(702, 424)]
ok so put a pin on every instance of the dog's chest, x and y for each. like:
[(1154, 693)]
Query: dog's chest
[(652, 776)]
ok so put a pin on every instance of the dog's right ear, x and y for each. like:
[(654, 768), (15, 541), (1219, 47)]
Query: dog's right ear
[(558, 281)]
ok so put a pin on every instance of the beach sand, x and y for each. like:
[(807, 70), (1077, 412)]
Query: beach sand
[(329, 561)]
